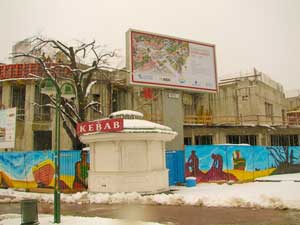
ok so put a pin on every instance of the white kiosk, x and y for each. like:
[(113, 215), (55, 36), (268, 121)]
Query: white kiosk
[(130, 160)]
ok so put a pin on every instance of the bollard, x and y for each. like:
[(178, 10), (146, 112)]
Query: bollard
[(29, 212)]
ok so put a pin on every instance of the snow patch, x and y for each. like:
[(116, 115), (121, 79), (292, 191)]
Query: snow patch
[(256, 194), (126, 113), (89, 87), (15, 219)]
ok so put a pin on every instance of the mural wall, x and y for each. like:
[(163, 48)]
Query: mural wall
[(210, 163), (214, 163), (36, 169)]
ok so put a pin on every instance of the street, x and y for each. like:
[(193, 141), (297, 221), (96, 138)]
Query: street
[(171, 215)]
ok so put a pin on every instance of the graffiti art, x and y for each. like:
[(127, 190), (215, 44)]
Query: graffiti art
[(219, 163), (36, 169)]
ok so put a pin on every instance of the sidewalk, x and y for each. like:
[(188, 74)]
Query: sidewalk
[(280, 177), (170, 215)]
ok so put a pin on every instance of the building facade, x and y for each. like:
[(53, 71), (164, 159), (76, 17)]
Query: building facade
[(248, 109)]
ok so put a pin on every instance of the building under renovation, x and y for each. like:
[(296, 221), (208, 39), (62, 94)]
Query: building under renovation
[(247, 109)]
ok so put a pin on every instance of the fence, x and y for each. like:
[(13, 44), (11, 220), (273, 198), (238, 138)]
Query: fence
[(208, 163), (175, 164), (36, 170), (214, 163)]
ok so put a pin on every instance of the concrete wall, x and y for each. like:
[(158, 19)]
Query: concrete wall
[(173, 116)]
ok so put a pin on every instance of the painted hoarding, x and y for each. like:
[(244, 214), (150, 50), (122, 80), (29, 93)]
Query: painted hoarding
[(36, 169), (163, 61), (8, 127), (219, 163)]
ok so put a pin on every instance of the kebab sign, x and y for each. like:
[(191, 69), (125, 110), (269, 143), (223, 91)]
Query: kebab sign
[(108, 125)]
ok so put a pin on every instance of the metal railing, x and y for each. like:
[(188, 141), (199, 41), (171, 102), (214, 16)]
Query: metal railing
[(293, 120), (20, 114), (203, 119), (234, 120), (156, 118)]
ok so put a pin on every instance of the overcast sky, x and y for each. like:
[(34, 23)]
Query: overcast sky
[(247, 33)]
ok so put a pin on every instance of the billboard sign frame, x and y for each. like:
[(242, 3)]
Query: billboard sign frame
[(190, 51)]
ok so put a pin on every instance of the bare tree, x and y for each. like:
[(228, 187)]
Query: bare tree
[(282, 155), (81, 75)]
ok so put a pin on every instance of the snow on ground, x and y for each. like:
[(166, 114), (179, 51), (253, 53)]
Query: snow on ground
[(284, 194), (15, 219), (281, 177)]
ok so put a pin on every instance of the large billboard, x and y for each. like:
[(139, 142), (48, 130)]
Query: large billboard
[(162, 61), (8, 127)]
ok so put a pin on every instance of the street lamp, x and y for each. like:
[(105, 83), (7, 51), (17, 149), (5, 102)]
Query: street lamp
[(66, 90)]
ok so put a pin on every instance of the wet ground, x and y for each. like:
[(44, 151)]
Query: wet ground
[(172, 215)]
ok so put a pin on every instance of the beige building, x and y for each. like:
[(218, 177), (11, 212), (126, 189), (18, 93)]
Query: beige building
[(249, 108)]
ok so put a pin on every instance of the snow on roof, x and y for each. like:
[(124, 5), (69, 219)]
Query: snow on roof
[(20, 78), (124, 113), (133, 123), (144, 126)]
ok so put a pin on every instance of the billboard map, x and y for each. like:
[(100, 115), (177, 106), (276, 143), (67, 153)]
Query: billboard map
[(8, 128), (157, 60)]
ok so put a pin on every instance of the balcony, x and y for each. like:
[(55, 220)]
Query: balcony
[(42, 114), (20, 114), (202, 119), (234, 120), (155, 118), (293, 118)]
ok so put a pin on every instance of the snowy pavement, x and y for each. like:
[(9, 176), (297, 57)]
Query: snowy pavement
[(15, 219), (281, 177), (284, 194), (271, 194)]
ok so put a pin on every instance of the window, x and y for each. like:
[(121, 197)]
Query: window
[(241, 139), (96, 109), (268, 109), (283, 115), (203, 140), (188, 104), (284, 140), (187, 141), (41, 111), (18, 100), (42, 140)]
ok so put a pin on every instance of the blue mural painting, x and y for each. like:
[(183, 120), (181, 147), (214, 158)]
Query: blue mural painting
[(211, 163), (208, 163), (36, 169)]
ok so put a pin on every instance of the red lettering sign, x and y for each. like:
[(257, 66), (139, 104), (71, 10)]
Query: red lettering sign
[(111, 125)]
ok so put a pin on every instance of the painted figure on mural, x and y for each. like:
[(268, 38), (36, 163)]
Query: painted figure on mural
[(215, 173), (193, 164), (81, 171)]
